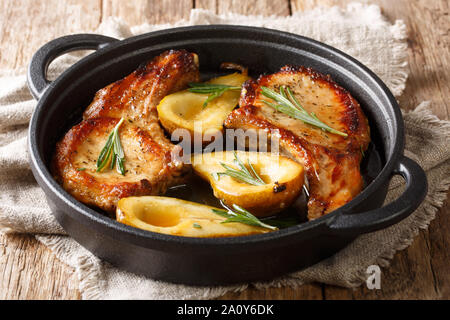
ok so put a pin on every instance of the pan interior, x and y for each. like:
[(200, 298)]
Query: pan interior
[(75, 89)]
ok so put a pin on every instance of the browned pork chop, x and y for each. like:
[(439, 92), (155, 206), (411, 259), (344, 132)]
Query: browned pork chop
[(331, 161), (149, 167), (136, 96)]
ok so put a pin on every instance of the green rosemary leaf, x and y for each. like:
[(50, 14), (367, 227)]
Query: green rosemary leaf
[(221, 213), (275, 96), (81, 169), (213, 96), (294, 99), (245, 221), (253, 172), (112, 152), (283, 93), (288, 104), (242, 211), (214, 90), (242, 174), (118, 147), (238, 175), (105, 160), (197, 87), (196, 225), (104, 153), (241, 215), (113, 162), (239, 163), (216, 175), (120, 166)]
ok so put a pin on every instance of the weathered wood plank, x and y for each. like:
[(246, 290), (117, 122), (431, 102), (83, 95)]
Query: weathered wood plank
[(28, 270), (303, 5), (249, 7), (26, 27), (305, 292), (147, 11), (429, 52), (417, 272)]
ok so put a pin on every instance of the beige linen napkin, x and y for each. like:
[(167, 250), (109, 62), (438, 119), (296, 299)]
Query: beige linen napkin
[(359, 30)]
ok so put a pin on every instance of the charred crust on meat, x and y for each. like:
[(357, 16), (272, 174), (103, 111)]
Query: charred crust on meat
[(248, 92), (181, 59), (171, 71), (133, 98)]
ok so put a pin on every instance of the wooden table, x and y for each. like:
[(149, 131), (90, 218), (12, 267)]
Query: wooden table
[(28, 270)]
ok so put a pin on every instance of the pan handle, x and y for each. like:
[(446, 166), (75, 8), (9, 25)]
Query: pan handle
[(373, 220), (37, 70)]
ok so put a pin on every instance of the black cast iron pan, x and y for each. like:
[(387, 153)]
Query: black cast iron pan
[(225, 260)]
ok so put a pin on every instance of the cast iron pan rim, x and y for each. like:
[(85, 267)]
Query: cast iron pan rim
[(131, 233)]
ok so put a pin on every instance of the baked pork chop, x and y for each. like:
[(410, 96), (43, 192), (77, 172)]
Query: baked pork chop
[(149, 166), (136, 96), (331, 161)]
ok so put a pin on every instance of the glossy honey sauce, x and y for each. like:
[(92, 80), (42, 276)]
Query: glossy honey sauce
[(198, 190)]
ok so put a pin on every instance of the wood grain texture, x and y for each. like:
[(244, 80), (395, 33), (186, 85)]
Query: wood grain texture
[(26, 27), (249, 7), (144, 11), (28, 270)]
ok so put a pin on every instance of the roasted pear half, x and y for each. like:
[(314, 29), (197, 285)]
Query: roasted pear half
[(282, 179), (179, 217), (187, 110)]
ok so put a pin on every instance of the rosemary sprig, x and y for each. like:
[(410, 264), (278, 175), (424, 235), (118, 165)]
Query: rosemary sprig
[(112, 152), (214, 90), (242, 174), (282, 223), (288, 104), (241, 215)]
